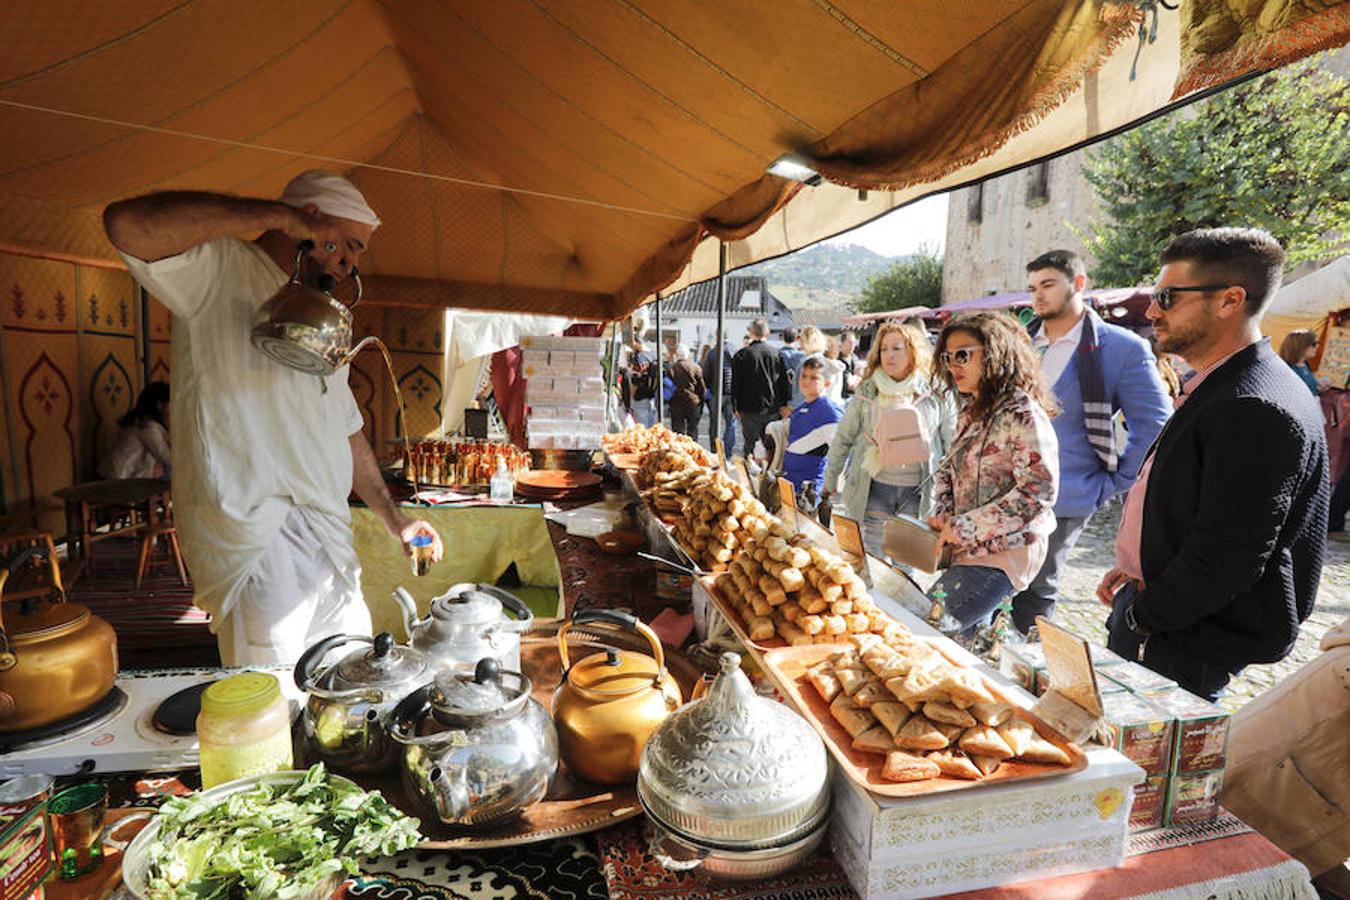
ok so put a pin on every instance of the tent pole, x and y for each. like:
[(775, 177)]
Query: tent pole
[(719, 342), (660, 366), (612, 373)]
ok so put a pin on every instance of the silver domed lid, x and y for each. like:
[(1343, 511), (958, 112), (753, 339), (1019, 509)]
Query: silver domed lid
[(384, 664), (735, 769)]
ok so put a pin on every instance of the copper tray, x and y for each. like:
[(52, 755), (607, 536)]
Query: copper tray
[(572, 806), (787, 666), (624, 460)]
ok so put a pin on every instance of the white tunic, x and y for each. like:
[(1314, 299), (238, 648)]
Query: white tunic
[(252, 439)]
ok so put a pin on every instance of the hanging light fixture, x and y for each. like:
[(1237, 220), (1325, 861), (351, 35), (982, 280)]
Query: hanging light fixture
[(794, 167)]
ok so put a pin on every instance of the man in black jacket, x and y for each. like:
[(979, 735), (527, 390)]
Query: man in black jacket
[(1221, 542), (761, 385)]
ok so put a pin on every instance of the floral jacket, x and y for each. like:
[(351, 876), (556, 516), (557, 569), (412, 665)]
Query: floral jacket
[(998, 483)]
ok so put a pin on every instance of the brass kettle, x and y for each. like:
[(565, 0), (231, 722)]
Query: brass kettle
[(307, 328), (56, 658), (609, 703)]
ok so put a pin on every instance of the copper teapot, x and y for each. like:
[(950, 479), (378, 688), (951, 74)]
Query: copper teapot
[(56, 658), (609, 703), (305, 327)]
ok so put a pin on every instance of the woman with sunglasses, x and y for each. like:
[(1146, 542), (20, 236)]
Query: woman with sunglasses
[(899, 372), (996, 488)]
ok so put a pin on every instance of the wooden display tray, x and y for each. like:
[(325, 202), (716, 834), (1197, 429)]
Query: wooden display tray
[(788, 665), (572, 806), (624, 460)]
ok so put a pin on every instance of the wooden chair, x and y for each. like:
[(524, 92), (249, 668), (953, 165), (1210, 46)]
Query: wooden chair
[(154, 538), (39, 576)]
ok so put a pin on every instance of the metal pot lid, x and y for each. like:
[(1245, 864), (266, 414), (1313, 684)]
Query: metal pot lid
[(734, 768), (464, 604), (382, 665), (488, 695), (613, 673), (48, 622)]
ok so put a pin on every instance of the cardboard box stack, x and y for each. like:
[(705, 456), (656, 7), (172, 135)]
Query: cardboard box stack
[(1178, 739), (565, 392)]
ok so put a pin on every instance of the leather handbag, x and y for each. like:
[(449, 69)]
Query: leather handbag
[(907, 540)]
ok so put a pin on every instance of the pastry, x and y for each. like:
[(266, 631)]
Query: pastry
[(852, 680), (956, 764), (871, 693), (1018, 734), (874, 740), (945, 712), (854, 720), (991, 713), (891, 714), (965, 684), (822, 678), (920, 733), (849, 659), (987, 765), (901, 766), (982, 740), (1042, 751)]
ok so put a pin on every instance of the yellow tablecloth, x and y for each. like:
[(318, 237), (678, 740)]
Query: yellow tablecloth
[(480, 542)]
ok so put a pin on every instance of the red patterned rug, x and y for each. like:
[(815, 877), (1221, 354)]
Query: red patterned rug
[(632, 874), (160, 615)]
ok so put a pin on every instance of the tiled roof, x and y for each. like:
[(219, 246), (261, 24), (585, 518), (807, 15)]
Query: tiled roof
[(748, 297)]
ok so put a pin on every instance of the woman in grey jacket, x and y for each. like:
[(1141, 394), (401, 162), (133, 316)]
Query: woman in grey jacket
[(899, 371)]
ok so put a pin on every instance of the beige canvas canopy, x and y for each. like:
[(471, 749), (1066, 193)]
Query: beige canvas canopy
[(572, 157)]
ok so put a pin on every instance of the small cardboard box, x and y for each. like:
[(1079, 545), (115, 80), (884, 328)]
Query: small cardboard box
[(1150, 803), (1108, 685), (1140, 679), (1024, 664), (1201, 740), (1139, 730), (1103, 658), (1194, 798), (25, 849)]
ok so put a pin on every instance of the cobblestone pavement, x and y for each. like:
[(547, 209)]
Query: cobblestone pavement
[(1080, 612)]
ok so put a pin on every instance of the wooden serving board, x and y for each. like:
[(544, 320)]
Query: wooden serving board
[(624, 460), (788, 665)]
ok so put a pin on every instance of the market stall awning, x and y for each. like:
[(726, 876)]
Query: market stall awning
[(1116, 304), (572, 157)]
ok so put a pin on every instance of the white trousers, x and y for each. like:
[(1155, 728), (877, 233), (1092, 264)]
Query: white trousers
[(296, 598)]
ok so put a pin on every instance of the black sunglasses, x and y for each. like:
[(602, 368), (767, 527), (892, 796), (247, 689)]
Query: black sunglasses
[(1166, 297)]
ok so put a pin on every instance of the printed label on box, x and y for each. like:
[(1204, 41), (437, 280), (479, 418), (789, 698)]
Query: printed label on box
[(1139, 730), (1194, 798), (1150, 802), (1201, 740)]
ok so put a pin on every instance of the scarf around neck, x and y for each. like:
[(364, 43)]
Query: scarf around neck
[(889, 393), (1097, 411)]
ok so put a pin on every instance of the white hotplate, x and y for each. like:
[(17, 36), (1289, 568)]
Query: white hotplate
[(128, 741)]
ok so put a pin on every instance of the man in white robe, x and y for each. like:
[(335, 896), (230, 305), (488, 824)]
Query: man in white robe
[(264, 455)]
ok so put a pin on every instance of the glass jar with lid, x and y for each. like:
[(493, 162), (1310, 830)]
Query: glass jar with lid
[(244, 728)]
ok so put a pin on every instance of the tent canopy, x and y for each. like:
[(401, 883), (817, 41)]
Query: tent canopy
[(571, 157)]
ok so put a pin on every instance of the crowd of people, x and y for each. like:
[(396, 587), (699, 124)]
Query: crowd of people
[(1006, 439)]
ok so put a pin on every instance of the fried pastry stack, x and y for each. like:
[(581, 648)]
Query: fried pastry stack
[(640, 439), (901, 698)]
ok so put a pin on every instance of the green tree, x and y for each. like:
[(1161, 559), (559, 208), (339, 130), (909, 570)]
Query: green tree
[(916, 281), (1273, 153)]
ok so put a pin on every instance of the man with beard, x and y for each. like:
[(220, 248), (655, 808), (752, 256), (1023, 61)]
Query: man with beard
[(1221, 542), (1096, 370)]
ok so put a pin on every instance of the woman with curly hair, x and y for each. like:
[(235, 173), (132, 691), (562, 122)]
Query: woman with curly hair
[(899, 372), (995, 491)]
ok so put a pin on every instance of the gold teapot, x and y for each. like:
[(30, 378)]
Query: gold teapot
[(307, 328), (609, 703)]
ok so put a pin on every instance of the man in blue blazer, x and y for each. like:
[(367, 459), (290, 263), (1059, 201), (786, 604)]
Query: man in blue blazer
[(1096, 371)]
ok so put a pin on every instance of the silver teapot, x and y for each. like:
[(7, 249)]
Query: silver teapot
[(466, 624), (307, 328), (475, 758), (349, 703)]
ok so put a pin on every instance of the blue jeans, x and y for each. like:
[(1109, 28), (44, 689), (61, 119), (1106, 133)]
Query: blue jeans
[(1202, 677), (644, 411), (886, 501), (973, 593), (1040, 596), (728, 426)]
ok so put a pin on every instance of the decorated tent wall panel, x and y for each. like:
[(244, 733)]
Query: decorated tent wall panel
[(111, 376), (416, 341), (370, 381), (42, 379), (158, 335)]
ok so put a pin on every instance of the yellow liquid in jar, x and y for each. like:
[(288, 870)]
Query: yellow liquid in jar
[(222, 763)]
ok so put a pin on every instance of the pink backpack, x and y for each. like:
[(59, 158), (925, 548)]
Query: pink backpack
[(901, 436)]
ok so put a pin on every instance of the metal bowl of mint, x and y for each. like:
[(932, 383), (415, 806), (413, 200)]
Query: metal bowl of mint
[(295, 834)]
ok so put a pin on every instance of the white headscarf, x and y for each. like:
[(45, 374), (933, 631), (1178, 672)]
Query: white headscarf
[(331, 193)]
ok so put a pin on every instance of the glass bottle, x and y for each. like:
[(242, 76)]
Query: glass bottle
[(503, 487)]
